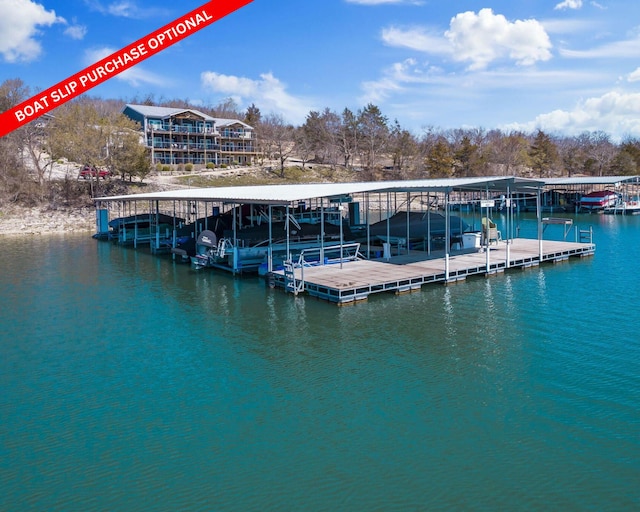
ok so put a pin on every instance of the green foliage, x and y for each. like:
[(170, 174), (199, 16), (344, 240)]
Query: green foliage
[(252, 116), (543, 154), (210, 165), (623, 164), (627, 161), (440, 162), (188, 167), (166, 168), (465, 157), (373, 134)]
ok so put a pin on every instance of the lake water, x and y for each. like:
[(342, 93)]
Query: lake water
[(130, 382)]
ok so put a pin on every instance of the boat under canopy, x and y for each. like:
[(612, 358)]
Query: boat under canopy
[(420, 226), (257, 234)]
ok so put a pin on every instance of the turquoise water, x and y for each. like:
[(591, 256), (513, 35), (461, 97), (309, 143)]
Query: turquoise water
[(132, 383)]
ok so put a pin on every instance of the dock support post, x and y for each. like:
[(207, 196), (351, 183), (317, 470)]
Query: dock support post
[(509, 226), (447, 235), (539, 220), (486, 236)]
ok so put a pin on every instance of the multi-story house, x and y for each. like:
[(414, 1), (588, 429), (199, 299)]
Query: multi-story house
[(185, 135)]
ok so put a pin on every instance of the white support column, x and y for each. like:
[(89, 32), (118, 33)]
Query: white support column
[(447, 235), (539, 221), (509, 224)]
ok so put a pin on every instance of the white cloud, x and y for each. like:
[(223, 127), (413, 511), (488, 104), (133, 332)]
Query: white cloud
[(627, 49), (485, 37), (416, 39), (616, 113), (478, 39), (135, 76), (399, 78), (570, 26), (634, 76), (569, 4), (124, 9), (19, 22), (268, 92), (76, 32)]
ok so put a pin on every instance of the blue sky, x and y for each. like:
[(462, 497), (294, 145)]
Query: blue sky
[(565, 66)]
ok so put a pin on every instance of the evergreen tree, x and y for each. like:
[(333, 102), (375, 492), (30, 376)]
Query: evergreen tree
[(543, 154)]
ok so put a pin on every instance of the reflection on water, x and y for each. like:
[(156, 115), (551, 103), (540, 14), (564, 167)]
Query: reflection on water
[(131, 382)]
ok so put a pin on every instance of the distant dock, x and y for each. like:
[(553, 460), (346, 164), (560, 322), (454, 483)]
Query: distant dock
[(354, 281)]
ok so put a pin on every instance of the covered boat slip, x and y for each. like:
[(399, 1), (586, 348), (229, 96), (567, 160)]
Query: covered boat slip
[(376, 213), (593, 194)]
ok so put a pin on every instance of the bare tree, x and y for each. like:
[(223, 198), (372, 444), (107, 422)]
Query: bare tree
[(13, 172), (347, 138), (402, 145), (508, 152), (87, 135), (278, 137), (374, 135), (601, 152), (304, 147)]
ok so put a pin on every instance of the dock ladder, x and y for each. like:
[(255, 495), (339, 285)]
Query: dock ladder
[(291, 284), (586, 235)]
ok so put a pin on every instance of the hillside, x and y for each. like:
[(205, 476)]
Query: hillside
[(80, 216)]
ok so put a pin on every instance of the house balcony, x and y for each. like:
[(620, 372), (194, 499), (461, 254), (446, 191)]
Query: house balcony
[(236, 135), (184, 146), (236, 150), (182, 129)]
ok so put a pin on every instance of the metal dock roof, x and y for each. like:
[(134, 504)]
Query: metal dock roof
[(286, 194)]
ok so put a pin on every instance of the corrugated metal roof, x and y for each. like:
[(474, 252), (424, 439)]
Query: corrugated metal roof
[(590, 180), (285, 194)]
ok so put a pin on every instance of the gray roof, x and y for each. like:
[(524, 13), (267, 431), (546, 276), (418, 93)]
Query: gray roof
[(229, 122), (590, 180), (164, 112), (287, 194)]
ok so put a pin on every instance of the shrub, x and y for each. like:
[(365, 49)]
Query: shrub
[(188, 167), (166, 168), (210, 165)]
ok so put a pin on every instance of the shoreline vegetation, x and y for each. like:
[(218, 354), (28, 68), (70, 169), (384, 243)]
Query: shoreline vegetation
[(40, 163), (17, 220)]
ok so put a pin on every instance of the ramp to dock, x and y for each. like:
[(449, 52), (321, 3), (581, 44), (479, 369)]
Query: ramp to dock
[(356, 280)]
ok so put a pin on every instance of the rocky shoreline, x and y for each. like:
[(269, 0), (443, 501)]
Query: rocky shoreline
[(17, 221)]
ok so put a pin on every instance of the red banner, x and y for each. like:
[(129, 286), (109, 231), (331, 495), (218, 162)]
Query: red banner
[(116, 63)]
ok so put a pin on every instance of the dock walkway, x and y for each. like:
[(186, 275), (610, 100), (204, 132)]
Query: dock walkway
[(356, 280)]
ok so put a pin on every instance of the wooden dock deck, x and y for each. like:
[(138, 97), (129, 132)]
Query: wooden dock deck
[(355, 280)]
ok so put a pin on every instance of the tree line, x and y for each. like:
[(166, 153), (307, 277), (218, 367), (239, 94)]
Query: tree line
[(93, 131)]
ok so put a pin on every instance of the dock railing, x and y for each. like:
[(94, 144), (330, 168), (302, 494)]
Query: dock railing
[(313, 256)]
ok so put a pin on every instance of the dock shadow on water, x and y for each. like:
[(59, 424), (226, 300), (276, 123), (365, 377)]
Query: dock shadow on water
[(131, 382)]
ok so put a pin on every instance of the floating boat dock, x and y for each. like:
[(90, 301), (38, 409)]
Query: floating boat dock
[(356, 280), (442, 252)]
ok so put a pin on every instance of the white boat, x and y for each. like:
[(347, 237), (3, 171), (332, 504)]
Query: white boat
[(629, 206), (598, 200)]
